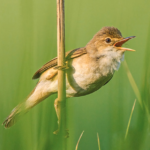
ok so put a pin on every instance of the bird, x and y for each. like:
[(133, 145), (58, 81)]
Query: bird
[(87, 70)]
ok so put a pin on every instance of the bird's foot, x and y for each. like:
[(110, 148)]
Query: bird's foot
[(61, 67), (66, 133), (56, 132)]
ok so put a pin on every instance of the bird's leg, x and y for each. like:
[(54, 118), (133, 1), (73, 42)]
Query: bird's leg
[(62, 67), (57, 109), (58, 105)]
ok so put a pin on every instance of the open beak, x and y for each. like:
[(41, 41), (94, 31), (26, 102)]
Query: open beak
[(121, 42)]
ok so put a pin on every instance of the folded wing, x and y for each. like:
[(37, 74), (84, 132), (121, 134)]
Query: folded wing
[(52, 63)]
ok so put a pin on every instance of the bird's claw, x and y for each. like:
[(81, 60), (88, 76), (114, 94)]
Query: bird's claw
[(61, 67), (66, 133), (56, 132)]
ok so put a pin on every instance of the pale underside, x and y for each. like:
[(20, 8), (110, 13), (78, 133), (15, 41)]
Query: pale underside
[(82, 77)]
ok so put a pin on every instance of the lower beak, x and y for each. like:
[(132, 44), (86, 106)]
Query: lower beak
[(121, 42)]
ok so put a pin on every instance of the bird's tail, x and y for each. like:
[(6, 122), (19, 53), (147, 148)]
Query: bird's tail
[(37, 95), (14, 115)]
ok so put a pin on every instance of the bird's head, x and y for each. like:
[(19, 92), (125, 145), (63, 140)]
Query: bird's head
[(108, 40)]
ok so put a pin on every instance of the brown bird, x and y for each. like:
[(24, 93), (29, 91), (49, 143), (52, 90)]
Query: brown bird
[(89, 68)]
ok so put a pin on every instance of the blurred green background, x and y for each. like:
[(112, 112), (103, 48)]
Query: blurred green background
[(28, 40)]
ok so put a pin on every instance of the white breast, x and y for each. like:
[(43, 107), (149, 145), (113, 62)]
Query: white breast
[(110, 62)]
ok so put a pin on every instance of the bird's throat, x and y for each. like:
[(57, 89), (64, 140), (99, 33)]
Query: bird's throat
[(109, 63)]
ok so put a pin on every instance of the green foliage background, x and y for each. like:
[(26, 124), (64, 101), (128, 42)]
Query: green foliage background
[(28, 40)]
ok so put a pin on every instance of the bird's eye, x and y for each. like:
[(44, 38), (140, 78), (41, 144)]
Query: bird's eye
[(108, 40)]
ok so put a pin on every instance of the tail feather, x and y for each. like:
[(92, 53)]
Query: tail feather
[(16, 113), (38, 94), (13, 117)]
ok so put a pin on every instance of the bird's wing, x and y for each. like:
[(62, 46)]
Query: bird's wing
[(69, 55), (108, 81)]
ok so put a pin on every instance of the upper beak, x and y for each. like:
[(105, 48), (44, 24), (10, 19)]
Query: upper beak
[(121, 42)]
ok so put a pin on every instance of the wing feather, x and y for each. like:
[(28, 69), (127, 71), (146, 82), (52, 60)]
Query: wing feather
[(69, 55)]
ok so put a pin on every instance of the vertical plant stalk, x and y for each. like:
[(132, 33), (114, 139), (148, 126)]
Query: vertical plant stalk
[(133, 84), (127, 130), (98, 142), (79, 140), (61, 62)]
